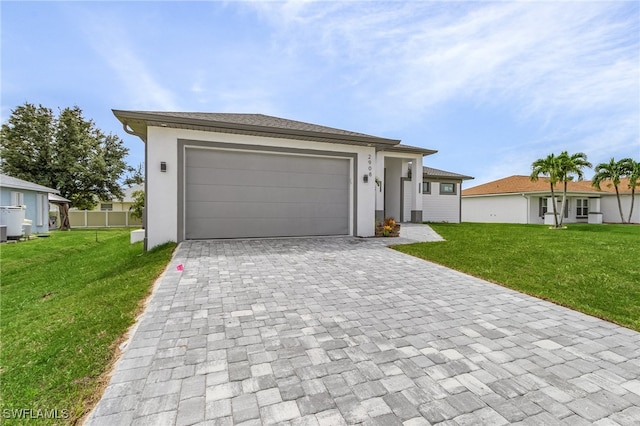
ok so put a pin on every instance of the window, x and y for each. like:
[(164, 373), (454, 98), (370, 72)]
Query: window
[(41, 209), (426, 187), (542, 207), (447, 188), (582, 207), (17, 198), (106, 207)]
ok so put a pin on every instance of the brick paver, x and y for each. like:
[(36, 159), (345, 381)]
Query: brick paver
[(346, 331)]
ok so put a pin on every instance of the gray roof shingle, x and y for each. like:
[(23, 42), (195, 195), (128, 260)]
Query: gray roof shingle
[(12, 182), (430, 171), (253, 124)]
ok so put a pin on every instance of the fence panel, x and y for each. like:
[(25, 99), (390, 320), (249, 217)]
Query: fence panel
[(102, 219)]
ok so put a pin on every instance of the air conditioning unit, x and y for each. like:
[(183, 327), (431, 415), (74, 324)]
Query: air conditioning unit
[(13, 218), (26, 228)]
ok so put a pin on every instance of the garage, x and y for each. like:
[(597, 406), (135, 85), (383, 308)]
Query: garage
[(251, 194)]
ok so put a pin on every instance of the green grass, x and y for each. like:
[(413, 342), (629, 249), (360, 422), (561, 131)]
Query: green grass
[(65, 302), (594, 269)]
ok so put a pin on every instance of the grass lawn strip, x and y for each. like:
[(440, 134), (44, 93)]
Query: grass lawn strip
[(66, 301), (594, 269)]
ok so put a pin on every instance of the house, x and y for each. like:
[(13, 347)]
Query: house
[(119, 204), (18, 192), (222, 175), (516, 199)]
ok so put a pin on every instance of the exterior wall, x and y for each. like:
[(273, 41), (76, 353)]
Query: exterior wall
[(611, 212), (117, 206), (391, 186), (514, 208), (438, 207), (36, 211), (162, 187), (406, 205), (496, 209), (5, 196)]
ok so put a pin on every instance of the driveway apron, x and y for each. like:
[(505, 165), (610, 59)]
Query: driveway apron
[(332, 331)]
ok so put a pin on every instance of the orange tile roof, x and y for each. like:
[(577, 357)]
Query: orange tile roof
[(523, 184)]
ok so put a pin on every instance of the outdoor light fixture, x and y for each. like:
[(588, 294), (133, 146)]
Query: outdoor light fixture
[(163, 166)]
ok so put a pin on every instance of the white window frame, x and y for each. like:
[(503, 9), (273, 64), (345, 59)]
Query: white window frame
[(41, 206), (582, 208), (17, 198), (104, 209)]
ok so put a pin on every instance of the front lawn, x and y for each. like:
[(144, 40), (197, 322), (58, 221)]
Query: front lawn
[(66, 300), (594, 269)]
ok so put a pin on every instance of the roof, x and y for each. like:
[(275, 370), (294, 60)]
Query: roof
[(519, 184), (12, 182), (128, 193), (410, 149), (57, 199), (431, 172), (136, 123)]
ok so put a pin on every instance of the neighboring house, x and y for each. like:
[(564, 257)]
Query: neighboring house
[(117, 204), (18, 192), (214, 175), (516, 199)]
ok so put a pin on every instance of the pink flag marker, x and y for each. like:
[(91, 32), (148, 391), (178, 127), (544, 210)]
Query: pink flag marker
[(180, 267)]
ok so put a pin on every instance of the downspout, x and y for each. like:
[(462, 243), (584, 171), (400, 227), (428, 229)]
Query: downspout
[(460, 202)]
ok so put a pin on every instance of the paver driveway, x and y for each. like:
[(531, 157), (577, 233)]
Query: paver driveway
[(344, 330)]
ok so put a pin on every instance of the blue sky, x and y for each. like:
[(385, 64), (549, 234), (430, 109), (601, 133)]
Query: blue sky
[(491, 86)]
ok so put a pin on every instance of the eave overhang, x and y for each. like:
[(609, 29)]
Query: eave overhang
[(136, 123)]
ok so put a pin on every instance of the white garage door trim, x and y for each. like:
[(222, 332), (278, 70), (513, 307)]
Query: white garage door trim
[(183, 145)]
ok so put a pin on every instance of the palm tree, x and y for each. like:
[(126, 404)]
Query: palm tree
[(570, 165), (613, 171), (632, 170), (548, 167)]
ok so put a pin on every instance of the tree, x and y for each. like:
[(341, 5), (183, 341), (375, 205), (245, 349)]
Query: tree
[(548, 167), (27, 143), (632, 170), (67, 152), (136, 177), (137, 207), (568, 166), (613, 171)]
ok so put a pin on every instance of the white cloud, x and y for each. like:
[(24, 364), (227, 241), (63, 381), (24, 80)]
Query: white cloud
[(569, 69), (141, 89)]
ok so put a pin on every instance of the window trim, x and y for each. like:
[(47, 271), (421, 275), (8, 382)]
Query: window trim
[(543, 206), (41, 205), (584, 208), (17, 198), (453, 185), (103, 209)]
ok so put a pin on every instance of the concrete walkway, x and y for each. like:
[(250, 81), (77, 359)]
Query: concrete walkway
[(331, 331)]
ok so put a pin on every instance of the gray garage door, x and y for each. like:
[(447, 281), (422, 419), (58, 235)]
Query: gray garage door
[(235, 194)]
